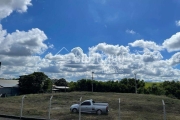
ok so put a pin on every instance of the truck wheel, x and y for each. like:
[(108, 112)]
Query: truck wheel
[(99, 112), (74, 110)]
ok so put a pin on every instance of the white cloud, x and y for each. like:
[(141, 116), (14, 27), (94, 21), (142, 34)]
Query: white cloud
[(146, 44), (28, 61), (16, 66), (51, 46), (175, 59), (8, 6), (21, 43), (177, 23), (173, 43), (101, 60), (77, 64), (110, 49), (130, 32), (20, 54), (19, 49), (151, 56), (78, 52)]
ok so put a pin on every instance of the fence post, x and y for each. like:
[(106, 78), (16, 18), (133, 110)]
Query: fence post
[(22, 103), (49, 113), (164, 110), (119, 110), (80, 109)]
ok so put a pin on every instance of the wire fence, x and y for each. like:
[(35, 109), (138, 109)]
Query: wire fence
[(55, 106)]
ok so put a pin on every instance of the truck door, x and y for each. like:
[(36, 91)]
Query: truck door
[(86, 106)]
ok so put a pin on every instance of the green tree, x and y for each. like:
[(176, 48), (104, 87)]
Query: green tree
[(47, 87), (61, 82), (72, 85), (34, 83)]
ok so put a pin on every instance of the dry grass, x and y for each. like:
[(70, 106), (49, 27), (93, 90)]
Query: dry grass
[(133, 107)]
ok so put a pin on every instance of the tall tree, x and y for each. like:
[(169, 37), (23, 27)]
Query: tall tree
[(61, 82), (34, 83)]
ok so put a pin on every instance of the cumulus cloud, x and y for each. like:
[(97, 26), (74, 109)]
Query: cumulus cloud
[(175, 59), (21, 43), (104, 59), (16, 66), (110, 49), (100, 59), (130, 31), (77, 64), (146, 44), (173, 43), (149, 56), (78, 52), (51, 69), (21, 51), (177, 23), (28, 61), (8, 6)]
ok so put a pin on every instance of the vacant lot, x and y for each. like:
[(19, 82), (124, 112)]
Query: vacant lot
[(133, 107)]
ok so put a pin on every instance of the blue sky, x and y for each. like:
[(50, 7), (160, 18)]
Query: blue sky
[(90, 27), (85, 23)]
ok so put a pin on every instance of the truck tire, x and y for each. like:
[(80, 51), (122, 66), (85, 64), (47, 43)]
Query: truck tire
[(98, 112), (74, 110)]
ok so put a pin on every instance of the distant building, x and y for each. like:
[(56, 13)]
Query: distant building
[(60, 88), (9, 87)]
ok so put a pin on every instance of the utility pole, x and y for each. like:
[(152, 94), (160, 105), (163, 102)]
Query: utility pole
[(92, 81), (135, 83)]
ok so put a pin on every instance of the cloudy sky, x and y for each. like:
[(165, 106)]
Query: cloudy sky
[(72, 38)]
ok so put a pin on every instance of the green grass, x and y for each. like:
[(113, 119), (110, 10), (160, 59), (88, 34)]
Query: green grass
[(133, 107), (149, 84)]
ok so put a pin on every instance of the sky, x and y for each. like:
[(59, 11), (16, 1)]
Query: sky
[(72, 38)]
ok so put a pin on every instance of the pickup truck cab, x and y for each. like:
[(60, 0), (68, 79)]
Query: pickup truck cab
[(89, 106)]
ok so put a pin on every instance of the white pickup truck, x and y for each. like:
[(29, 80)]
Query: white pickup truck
[(89, 106)]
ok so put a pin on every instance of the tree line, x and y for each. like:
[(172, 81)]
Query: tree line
[(38, 82), (127, 85)]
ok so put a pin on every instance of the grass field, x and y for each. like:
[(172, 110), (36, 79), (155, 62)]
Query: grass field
[(149, 84), (133, 107)]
